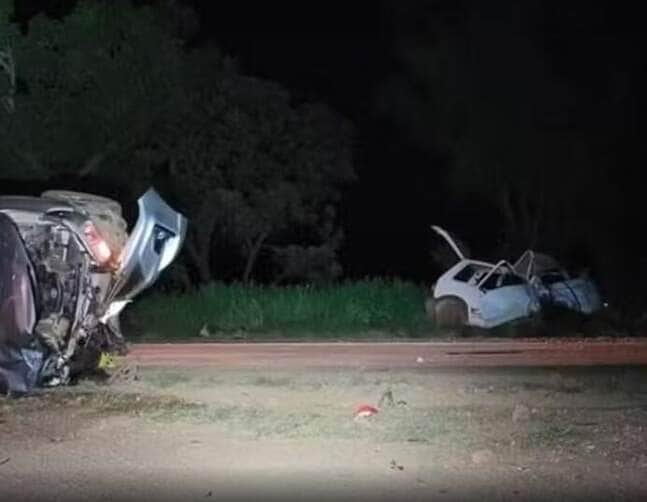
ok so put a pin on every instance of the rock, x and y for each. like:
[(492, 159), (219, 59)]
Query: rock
[(482, 457), (520, 413)]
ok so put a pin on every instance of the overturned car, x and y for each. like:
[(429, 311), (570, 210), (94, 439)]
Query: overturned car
[(485, 295), (67, 269)]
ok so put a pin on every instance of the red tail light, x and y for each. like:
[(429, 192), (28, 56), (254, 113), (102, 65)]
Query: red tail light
[(98, 245)]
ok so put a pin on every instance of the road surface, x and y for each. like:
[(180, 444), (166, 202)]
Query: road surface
[(554, 352)]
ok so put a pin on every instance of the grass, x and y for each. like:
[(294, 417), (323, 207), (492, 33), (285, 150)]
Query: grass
[(98, 401), (430, 426), (237, 312)]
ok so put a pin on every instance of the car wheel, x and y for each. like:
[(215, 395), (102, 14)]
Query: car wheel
[(450, 313)]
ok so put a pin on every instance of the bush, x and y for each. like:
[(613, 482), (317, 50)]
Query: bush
[(222, 311)]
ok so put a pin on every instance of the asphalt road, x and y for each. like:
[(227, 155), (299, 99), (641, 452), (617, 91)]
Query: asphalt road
[(553, 352)]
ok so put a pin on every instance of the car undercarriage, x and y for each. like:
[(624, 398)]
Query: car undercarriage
[(70, 264)]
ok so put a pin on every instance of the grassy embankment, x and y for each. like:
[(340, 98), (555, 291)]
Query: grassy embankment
[(365, 309)]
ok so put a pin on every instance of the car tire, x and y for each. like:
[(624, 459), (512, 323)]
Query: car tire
[(450, 313)]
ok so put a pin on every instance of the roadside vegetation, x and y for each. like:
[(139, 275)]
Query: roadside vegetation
[(370, 308)]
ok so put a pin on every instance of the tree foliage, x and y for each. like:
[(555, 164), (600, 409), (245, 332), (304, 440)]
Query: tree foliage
[(90, 88), (255, 170), (110, 91)]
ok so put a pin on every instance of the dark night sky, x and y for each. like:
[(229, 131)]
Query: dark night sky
[(341, 52)]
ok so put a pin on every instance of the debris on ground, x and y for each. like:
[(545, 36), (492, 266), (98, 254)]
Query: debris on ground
[(106, 362), (387, 397), (394, 465), (365, 411), (5, 460)]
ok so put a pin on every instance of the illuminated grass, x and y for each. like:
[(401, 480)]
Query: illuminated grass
[(236, 311)]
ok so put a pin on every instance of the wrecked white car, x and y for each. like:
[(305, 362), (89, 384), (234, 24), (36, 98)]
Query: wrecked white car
[(67, 269), (486, 295)]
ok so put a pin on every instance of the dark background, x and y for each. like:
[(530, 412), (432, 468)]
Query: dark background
[(342, 53)]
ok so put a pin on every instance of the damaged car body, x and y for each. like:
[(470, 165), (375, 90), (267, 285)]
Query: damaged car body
[(67, 269), (554, 285), (485, 295)]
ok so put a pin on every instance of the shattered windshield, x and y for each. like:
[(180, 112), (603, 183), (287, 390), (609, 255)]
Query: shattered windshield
[(473, 274)]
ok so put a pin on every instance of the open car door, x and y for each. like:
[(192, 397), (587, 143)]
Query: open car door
[(531, 264), (154, 242)]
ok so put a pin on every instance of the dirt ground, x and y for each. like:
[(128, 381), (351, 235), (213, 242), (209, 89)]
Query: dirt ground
[(440, 434)]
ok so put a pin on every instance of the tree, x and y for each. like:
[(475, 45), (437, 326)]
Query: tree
[(91, 86), (256, 171), (481, 85), (110, 91), (8, 67), (7, 64)]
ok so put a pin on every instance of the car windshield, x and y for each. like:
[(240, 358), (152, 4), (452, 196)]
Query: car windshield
[(501, 279), (473, 274)]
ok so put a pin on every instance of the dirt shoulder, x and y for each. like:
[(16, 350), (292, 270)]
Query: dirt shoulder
[(446, 434)]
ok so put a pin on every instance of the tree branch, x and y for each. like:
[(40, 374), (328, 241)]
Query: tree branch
[(253, 255), (8, 66)]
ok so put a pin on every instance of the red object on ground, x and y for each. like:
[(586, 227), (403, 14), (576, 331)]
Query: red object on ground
[(365, 410)]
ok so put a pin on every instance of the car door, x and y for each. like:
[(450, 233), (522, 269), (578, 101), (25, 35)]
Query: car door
[(506, 296), (152, 245)]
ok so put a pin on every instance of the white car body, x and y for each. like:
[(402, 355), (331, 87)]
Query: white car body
[(491, 300), (494, 294)]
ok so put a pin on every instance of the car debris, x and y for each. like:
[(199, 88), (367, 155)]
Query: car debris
[(365, 411), (386, 398), (554, 285), (395, 466), (485, 295), (67, 269)]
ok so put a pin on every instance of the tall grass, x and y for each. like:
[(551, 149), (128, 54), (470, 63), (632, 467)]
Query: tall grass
[(226, 311)]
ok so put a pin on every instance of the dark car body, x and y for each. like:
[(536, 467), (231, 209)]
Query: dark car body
[(67, 269)]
